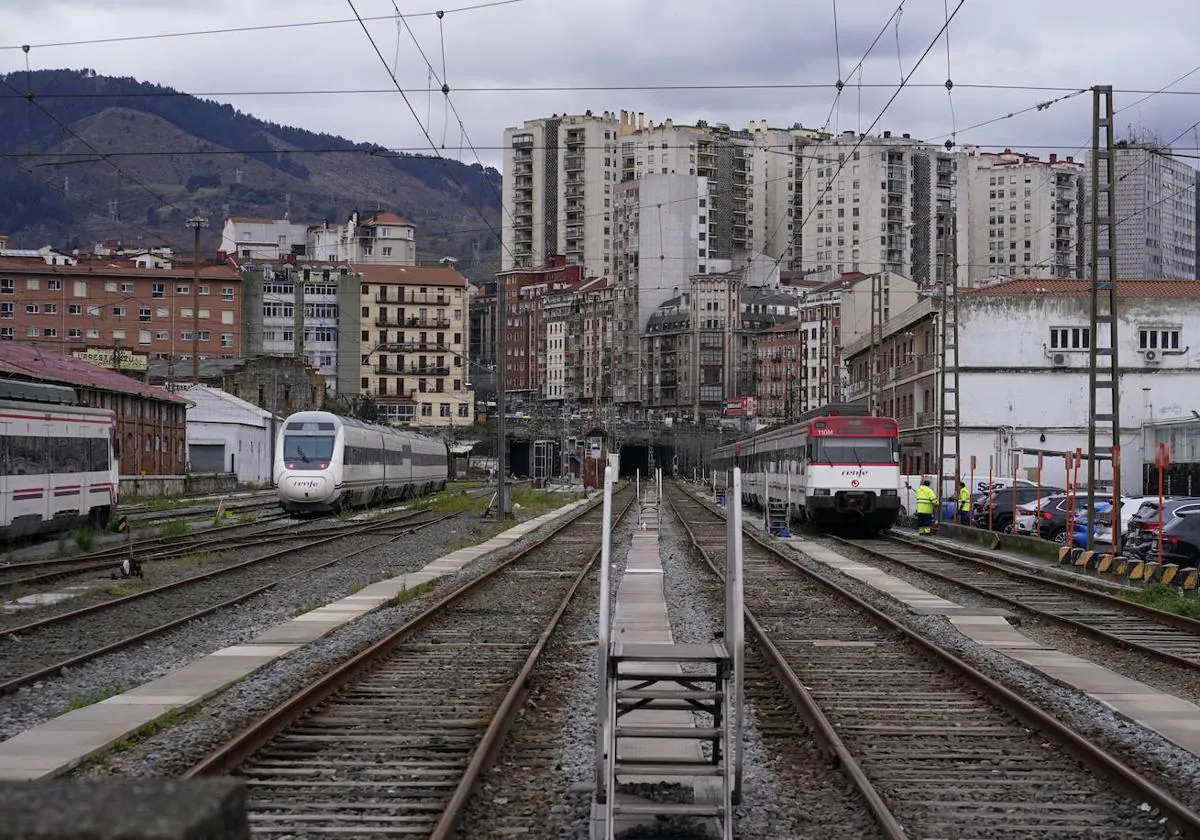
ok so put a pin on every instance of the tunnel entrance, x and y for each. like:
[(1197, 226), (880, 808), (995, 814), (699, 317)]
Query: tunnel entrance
[(646, 457)]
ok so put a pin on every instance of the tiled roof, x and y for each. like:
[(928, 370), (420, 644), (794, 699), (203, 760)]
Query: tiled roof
[(1079, 287), (385, 219), (250, 220), (29, 362), (105, 266), (411, 275)]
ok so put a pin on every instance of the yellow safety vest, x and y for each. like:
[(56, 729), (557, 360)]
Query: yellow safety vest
[(964, 499), (926, 499)]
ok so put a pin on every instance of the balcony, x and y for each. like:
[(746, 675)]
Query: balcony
[(389, 321), (927, 418), (573, 163)]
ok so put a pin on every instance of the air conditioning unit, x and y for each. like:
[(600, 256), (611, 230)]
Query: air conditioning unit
[(1153, 356), (1058, 359)]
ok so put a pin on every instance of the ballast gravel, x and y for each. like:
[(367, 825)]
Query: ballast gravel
[(126, 669)]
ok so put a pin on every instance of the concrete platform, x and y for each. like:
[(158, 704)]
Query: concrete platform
[(640, 617), (58, 745), (1175, 719)]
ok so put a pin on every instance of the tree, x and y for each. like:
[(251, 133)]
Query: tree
[(368, 409)]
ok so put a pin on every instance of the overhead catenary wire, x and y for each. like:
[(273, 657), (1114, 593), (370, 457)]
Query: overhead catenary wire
[(445, 164), (229, 30)]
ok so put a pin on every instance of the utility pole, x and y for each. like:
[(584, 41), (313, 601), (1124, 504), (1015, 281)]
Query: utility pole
[(501, 365), (1104, 377), (196, 223), (950, 438)]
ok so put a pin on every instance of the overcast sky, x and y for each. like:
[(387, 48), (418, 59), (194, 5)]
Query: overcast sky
[(524, 45)]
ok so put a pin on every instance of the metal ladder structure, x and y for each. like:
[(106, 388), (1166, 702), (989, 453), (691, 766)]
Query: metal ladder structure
[(1104, 372), (950, 439), (776, 509), (874, 367), (645, 688)]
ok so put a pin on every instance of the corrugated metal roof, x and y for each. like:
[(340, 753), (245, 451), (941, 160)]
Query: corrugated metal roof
[(1068, 287), (29, 362)]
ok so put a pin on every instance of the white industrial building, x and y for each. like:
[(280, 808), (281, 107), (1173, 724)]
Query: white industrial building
[(1023, 373), (229, 435)]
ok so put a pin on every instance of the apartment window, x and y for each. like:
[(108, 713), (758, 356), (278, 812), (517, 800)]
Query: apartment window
[(6, 310), (186, 335), (93, 332), (118, 311), (162, 335), (1158, 338), (74, 332), (32, 332), (118, 335), (110, 285), (426, 409), (32, 308), (162, 312), (81, 288), (387, 251), (226, 339), (143, 336), (183, 290), (6, 286), (462, 410), (226, 316), (50, 332), (127, 288), (74, 309), (205, 335), (54, 285), (144, 313), (1070, 338), (204, 313), (227, 293), (158, 290), (6, 333), (204, 290), (33, 285), (186, 312), (444, 410)]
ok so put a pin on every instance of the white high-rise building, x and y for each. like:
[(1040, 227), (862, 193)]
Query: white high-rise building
[(884, 204), (1156, 214), (1024, 215)]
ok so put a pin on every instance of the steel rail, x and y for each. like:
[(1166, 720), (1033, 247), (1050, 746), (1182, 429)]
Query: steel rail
[(1174, 811), (15, 683), (226, 759)]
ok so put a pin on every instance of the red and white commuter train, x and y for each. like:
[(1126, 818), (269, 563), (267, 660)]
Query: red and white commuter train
[(838, 468), (58, 460)]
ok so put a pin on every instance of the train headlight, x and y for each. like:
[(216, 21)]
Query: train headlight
[(821, 491)]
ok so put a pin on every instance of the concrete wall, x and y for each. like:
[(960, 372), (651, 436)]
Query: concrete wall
[(668, 238), (247, 448), (165, 486)]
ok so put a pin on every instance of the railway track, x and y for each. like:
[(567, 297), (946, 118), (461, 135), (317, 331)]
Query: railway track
[(935, 747), (1164, 636), (393, 741), (40, 649)]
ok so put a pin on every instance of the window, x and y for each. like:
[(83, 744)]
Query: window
[(204, 290), (143, 313), (226, 339), (6, 310), (81, 288), (75, 332), (33, 285), (143, 336), (32, 308), (54, 285), (93, 332), (444, 410), (118, 311), (426, 409), (1158, 338), (93, 311), (32, 332), (158, 291), (1070, 338), (50, 332), (183, 290), (118, 335), (186, 312), (110, 285), (6, 286), (204, 313), (127, 288), (387, 251), (227, 293), (226, 316), (50, 308), (162, 335), (186, 335), (162, 312), (74, 309), (205, 335), (462, 410)]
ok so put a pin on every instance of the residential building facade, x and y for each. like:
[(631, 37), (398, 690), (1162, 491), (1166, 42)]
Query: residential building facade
[(263, 239), (413, 344), (1156, 214), (778, 372), (1024, 215), (119, 315)]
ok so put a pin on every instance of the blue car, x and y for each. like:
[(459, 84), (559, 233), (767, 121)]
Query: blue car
[(1102, 531)]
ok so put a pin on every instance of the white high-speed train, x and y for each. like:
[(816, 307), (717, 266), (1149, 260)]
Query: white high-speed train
[(324, 462), (58, 461)]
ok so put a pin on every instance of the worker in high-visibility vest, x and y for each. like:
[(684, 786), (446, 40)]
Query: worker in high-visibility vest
[(926, 501), (964, 504)]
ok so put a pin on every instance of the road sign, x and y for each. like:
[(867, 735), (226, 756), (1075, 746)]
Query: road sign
[(1162, 456)]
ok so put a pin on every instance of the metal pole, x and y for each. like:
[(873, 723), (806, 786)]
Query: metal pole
[(501, 373), (602, 722), (195, 223), (734, 625)]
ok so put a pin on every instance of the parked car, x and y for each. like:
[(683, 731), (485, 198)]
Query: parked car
[(1047, 517), (1181, 541), (1102, 527), (1000, 504), (1143, 525)]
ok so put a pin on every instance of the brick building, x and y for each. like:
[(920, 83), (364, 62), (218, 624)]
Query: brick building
[(151, 421), (118, 314)]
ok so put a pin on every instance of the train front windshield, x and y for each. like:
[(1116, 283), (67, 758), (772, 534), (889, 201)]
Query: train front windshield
[(857, 451), (307, 452)]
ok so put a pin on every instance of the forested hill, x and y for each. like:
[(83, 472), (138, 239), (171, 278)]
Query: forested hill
[(176, 155)]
